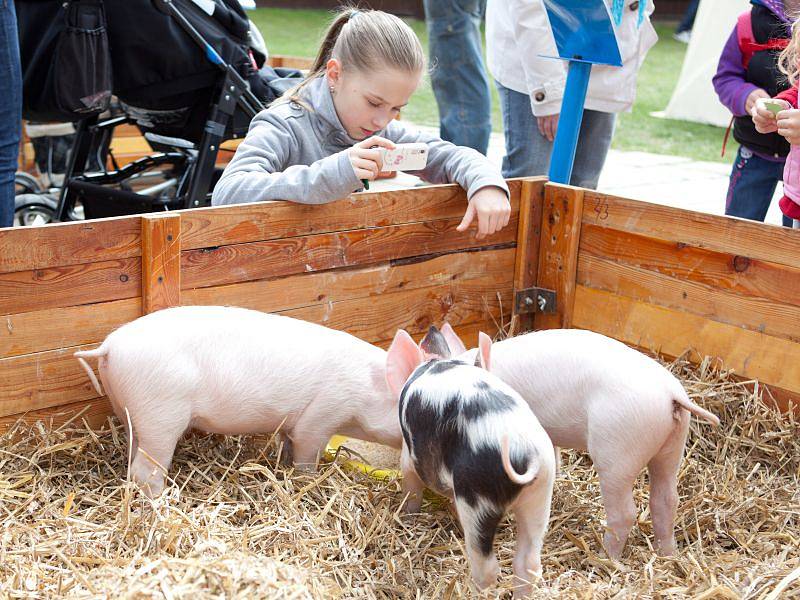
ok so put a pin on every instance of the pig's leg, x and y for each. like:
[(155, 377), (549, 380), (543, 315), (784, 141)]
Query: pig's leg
[(532, 512), (311, 433), (479, 523), (616, 486), (156, 444), (412, 484), (663, 469)]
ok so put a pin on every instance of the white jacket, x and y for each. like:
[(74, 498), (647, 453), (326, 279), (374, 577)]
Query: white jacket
[(518, 34)]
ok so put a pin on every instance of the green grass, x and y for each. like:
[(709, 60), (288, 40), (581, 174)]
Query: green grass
[(298, 32)]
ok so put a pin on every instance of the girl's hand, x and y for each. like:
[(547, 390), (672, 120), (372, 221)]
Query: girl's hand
[(365, 159), (789, 125), (548, 126), (493, 209), (753, 98), (763, 118)]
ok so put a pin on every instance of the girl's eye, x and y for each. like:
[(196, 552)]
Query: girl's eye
[(373, 104)]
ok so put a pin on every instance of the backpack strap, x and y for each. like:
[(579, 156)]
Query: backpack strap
[(744, 33), (747, 41)]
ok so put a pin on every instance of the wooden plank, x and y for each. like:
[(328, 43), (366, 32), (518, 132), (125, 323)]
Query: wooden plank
[(492, 266), (161, 261), (62, 244), (526, 266), (412, 310), (95, 413), (71, 285), (54, 328), (773, 361), (758, 314), (712, 232), (259, 260), (241, 223), (43, 380), (727, 272), (558, 251), (290, 62)]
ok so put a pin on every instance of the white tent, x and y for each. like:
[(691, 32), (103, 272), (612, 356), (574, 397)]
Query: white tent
[(694, 98)]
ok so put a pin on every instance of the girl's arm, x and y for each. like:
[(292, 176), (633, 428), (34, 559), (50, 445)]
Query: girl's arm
[(448, 163), (261, 170), (729, 81)]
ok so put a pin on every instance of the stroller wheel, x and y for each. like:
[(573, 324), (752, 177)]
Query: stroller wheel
[(34, 209), (25, 183)]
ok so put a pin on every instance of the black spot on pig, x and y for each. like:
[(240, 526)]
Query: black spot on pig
[(434, 343)]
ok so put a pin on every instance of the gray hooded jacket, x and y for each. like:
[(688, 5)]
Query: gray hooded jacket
[(293, 153)]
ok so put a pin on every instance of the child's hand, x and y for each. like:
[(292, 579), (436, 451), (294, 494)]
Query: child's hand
[(493, 209), (367, 161), (763, 118), (753, 98), (789, 125), (548, 126)]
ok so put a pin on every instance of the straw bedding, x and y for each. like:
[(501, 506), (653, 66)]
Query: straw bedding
[(235, 525)]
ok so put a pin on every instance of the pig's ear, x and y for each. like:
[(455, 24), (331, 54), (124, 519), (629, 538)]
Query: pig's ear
[(434, 345), (456, 345), (484, 351), (403, 357)]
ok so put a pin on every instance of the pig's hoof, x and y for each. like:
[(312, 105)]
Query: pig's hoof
[(412, 506)]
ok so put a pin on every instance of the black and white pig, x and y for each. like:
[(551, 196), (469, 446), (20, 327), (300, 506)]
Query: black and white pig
[(471, 437)]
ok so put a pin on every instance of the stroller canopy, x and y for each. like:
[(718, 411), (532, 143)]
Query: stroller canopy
[(155, 64)]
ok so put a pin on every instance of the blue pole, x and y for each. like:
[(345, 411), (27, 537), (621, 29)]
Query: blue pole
[(569, 123)]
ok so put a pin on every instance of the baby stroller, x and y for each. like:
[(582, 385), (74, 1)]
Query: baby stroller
[(190, 74)]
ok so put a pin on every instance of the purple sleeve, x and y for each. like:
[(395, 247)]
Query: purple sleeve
[(729, 82)]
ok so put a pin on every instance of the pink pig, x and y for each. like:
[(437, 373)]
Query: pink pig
[(596, 394), (237, 371)]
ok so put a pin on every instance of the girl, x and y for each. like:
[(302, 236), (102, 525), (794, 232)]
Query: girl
[(321, 139), (786, 123), (747, 71)]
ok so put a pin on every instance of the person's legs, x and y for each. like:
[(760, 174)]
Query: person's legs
[(597, 129), (752, 185), (687, 22), (527, 150), (10, 109), (458, 76)]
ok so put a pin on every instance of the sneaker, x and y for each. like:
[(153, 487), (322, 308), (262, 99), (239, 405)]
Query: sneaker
[(683, 36)]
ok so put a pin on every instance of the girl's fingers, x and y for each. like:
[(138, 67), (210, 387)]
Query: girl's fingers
[(367, 166), (376, 140)]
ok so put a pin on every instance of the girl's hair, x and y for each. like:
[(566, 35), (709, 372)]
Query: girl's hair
[(787, 61), (365, 40)]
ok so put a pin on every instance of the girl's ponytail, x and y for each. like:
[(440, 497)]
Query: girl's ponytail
[(326, 49)]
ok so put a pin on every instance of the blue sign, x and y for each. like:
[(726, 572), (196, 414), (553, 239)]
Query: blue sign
[(584, 36)]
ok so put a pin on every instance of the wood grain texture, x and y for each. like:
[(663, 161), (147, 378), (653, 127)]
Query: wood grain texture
[(529, 230), (70, 285), (558, 251), (259, 260), (773, 361), (31, 332), (161, 261), (242, 223), (712, 232)]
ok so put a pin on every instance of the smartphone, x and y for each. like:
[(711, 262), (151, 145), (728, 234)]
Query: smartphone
[(405, 157), (774, 107)]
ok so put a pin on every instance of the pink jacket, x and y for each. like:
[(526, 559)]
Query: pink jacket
[(790, 203)]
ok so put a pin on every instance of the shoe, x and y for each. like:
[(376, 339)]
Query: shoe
[(683, 36)]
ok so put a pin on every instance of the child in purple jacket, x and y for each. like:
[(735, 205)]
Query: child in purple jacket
[(748, 70)]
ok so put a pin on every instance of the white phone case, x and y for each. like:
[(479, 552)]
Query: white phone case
[(406, 157)]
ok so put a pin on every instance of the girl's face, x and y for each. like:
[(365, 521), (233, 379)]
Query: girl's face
[(366, 103)]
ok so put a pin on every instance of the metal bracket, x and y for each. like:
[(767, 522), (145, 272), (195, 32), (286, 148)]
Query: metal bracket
[(534, 300)]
